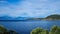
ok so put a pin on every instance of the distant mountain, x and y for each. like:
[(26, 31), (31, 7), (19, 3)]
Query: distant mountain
[(50, 17), (5, 18), (55, 16), (11, 18), (21, 18)]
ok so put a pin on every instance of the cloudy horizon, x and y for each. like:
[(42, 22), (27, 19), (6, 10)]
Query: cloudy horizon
[(29, 8)]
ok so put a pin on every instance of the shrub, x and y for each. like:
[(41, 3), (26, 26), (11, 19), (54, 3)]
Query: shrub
[(39, 31), (54, 30)]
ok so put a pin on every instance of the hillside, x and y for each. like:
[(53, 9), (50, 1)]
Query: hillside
[(55, 16)]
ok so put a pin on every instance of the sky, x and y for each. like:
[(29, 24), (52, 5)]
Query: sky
[(29, 8)]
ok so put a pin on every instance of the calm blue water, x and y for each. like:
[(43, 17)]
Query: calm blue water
[(25, 27)]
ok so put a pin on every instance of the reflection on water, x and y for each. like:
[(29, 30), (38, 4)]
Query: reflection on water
[(24, 27)]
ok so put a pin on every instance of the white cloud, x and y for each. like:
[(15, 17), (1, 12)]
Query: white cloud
[(29, 8)]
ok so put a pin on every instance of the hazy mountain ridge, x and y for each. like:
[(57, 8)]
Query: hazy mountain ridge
[(11, 18), (50, 17)]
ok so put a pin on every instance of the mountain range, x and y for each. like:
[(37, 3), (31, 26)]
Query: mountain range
[(11, 18), (50, 17)]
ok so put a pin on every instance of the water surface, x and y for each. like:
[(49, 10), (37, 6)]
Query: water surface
[(25, 27)]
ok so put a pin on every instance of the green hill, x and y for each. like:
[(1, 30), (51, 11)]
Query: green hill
[(55, 16)]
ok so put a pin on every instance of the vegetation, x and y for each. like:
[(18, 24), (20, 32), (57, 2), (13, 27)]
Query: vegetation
[(39, 31), (54, 30), (3, 30)]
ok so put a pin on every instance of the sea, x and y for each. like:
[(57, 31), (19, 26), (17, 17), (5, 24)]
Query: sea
[(26, 26)]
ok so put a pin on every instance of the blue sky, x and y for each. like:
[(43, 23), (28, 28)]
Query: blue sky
[(29, 8)]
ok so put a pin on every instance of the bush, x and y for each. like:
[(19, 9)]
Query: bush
[(54, 30), (39, 31)]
